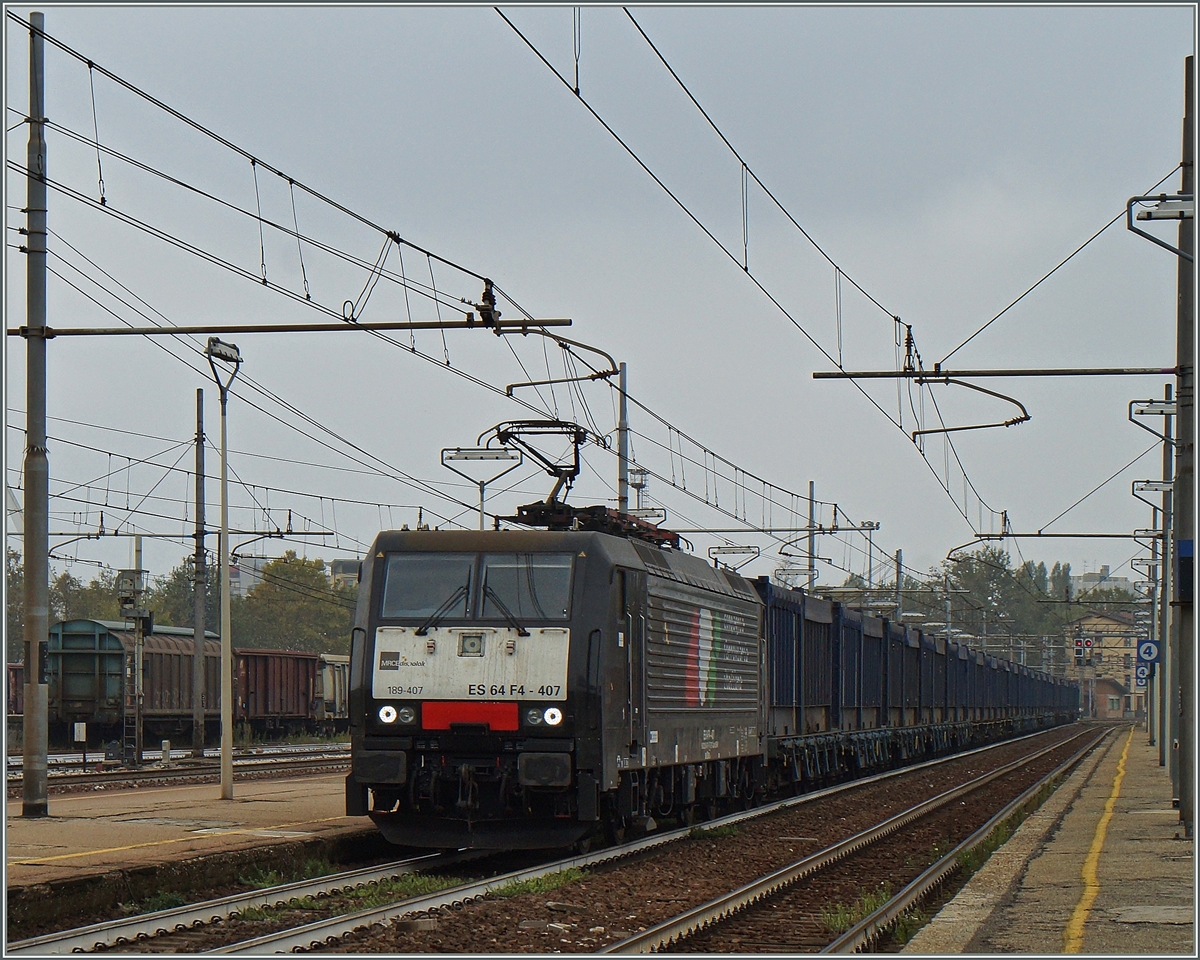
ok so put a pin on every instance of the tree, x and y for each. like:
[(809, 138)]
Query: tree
[(172, 598), (295, 607), (71, 600)]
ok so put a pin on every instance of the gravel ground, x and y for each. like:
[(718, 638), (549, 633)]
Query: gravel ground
[(619, 899), (631, 896)]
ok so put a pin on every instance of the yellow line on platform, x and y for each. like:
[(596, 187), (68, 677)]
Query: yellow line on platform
[(1073, 935), (33, 861)]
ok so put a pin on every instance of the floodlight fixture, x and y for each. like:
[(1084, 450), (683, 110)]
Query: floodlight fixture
[(480, 453), (1154, 408), (1182, 209), (451, 455), (749, 552), (220, 350), (1153, 486)]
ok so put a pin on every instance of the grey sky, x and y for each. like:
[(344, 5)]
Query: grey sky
[(945, 158)]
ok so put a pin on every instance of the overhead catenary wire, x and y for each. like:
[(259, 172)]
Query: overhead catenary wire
[(246, 154), (729, 253), (1121, 470), (1050, 273), (747, 170), (964, 509), (293, 231), (392, 472), (580, 394), (292, 182)]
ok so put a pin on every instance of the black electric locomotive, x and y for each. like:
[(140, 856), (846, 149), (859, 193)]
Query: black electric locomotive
[(528, 688), (516, 688)]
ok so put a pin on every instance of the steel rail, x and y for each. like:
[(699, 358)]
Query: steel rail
[(72, 760), (315, 935), (110, 932), (67, 778), (143, 926), (680, 927), (876, 924)]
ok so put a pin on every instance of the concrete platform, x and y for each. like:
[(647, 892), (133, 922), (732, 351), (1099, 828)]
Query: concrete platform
[(102, 832), (1075, 879)]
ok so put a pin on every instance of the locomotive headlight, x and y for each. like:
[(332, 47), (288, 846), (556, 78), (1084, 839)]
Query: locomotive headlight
[(407, 714), (387, 713), (553, 716), (533, 716)]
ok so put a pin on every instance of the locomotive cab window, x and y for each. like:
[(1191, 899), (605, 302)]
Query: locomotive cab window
[(532, 586), (421, 584)]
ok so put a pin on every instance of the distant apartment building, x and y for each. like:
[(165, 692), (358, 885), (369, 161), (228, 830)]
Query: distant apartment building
[(1088, 582), (246, 574), (344, 573), (1105, 663)]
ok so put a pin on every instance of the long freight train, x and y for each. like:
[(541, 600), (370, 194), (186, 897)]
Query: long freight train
[(528, 688), (276, 691)]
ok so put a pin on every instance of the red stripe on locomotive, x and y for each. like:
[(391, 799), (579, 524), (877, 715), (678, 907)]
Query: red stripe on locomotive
[(439, 714)]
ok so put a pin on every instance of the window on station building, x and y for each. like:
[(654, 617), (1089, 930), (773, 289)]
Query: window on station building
[(1114, 704)]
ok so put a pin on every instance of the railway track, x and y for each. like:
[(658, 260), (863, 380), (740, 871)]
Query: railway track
[(63, 776), (400, 922), (756, 907), (113, 933)]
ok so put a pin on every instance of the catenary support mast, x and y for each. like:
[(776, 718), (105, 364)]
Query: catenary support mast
[(36, 467)]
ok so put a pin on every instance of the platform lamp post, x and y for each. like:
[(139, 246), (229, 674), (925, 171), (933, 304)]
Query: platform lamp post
[(227, 353), (481, 455)]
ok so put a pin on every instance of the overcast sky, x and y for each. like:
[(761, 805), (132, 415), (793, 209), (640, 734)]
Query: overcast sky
[(945, 159)]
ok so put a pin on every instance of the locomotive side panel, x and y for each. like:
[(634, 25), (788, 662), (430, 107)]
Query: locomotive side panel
[(701, 675)]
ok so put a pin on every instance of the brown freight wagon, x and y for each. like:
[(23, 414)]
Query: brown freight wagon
[(277, 691), (16, 689)]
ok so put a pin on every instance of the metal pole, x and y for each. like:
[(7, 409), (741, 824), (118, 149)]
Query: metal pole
[(1151, 627), (199, 590), (870, 558), (37, 468), (482, 485), (1185, 478), (946, 587), (139, 649), (623, 450), (812, 536), (899, 583), (1166, 696), (226, 618)]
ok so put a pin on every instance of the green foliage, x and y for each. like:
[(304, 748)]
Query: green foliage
[(365, 897), (71, 599), (295, 607), (839, 918), (172, 597), (540, 884), (1006, 609), (908, 924), (163, 900), (713, 833)]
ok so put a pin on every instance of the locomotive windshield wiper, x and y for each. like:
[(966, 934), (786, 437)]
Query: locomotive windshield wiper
[(445, 608), (504, 611)]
